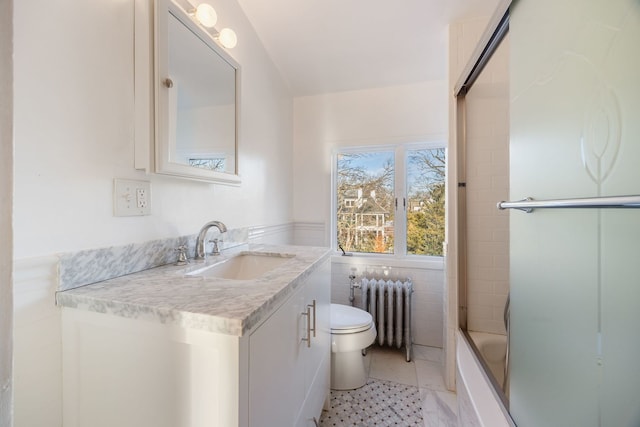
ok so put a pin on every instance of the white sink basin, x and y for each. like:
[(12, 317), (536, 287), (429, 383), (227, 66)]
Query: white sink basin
[(244, 266)]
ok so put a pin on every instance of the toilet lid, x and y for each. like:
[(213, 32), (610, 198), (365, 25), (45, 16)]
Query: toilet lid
[(346, 318)]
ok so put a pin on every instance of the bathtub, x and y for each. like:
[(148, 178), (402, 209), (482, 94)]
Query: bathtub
[(479, 404), (493, 348)]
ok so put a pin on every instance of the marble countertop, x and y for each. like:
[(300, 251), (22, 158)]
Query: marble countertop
[(167, 295)]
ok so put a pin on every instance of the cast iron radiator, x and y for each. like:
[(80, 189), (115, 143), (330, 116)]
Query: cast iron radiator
[(389, 303)]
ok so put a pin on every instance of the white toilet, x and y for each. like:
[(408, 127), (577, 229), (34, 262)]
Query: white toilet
[(352, 330)]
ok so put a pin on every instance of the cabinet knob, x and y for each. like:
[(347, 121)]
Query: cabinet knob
[(168, 83)]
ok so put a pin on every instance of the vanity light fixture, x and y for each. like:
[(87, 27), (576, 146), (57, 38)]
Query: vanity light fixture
[(228, 38), (206, 16)]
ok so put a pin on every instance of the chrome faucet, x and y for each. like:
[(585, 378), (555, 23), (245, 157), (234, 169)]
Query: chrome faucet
[(201, 252)]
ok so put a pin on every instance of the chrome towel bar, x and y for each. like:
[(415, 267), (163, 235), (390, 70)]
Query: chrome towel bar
[(528, 205)]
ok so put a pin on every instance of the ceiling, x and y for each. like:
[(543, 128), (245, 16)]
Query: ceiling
[(323, 46)]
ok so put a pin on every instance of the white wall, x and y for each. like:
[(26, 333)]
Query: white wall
[(74, 123), (6, 198), (74, 133), (410, 113), (198, 126)]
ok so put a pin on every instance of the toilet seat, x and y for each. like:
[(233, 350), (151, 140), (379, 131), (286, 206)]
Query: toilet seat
[(349, 320)]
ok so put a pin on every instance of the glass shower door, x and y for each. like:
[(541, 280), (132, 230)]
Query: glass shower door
[(575, 273)]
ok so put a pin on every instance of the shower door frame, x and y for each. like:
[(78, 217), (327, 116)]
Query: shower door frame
[(494, 33)]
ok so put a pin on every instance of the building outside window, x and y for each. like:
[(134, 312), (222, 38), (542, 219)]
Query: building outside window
[(390, 200)]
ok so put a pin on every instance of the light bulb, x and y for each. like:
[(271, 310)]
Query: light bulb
[(206, 15), (228, 38)]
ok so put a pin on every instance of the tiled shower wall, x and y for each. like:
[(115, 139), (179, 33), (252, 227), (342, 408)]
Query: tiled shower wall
[(488, 183)]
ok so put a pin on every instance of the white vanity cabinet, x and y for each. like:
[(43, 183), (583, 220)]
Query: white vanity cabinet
[(143, 373), (289, 356)]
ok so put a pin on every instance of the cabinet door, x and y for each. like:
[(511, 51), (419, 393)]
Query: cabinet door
[(276, 388), (131, 373), (317, 357)]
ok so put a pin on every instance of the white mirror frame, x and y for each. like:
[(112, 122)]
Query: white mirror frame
[(151, 67)]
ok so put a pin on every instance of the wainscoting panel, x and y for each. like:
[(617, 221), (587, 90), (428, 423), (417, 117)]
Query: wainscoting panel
[(280, 234), (310, 234), (428, 296), (37, 344)]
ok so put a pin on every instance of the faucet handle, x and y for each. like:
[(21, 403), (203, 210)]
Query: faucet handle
[(182, 255), (215, 250)]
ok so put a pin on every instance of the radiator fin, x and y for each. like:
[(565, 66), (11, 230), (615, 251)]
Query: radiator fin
[(389, 303)]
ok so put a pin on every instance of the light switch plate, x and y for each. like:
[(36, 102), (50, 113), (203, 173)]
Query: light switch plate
[(131, 198)]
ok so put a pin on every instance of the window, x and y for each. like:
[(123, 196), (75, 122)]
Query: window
[(211, 163), (390, 200)]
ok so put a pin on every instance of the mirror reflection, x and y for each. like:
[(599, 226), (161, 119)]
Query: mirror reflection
[(196, 100), (202, 102)]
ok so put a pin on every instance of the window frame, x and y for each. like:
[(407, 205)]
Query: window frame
[(400, 151)]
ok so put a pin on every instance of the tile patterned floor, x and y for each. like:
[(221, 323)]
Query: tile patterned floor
[(378, 403), (397, 394)]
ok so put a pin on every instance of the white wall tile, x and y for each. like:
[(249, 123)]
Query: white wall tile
[(487, 184), (428, 304)]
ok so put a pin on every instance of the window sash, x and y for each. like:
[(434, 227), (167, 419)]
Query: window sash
[(401, 152)]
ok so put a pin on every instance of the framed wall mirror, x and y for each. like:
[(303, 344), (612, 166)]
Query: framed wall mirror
[(196, 100)]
